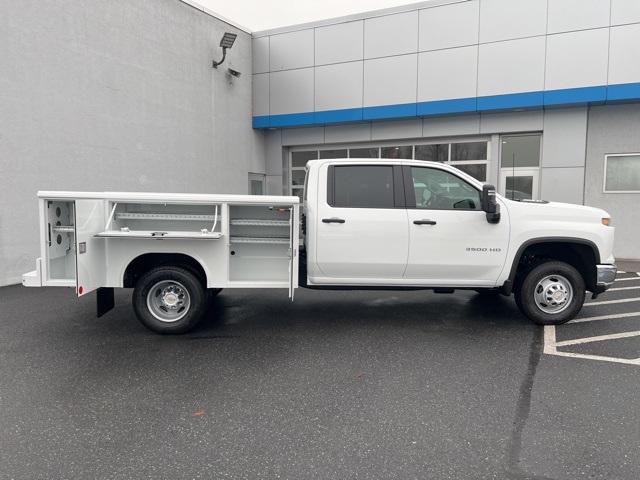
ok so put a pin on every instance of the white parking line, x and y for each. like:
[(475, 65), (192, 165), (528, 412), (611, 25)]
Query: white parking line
[(605, 317), (550, 348), (609, 302), (599, 338), (626, 279), (623, 288)]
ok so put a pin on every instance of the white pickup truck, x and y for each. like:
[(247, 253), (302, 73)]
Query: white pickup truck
[(386, 224)]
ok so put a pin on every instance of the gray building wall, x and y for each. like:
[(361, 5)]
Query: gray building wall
[(116, 95), (614, 129)]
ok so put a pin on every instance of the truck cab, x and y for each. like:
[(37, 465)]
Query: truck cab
[(416, 224)]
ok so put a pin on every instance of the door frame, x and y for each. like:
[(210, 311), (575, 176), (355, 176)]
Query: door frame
[(533, 172)]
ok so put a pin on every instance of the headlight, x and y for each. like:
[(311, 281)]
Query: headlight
[(606, 221)]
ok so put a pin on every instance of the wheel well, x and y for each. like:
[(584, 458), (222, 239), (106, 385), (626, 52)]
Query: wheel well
[(582, 256), (142, 264)]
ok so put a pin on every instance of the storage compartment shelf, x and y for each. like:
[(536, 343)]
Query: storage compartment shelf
[(259, 223), (273, 240), (155, 235), (164, 216), (63, 228)]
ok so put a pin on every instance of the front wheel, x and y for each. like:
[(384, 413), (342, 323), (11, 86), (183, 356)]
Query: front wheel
[(551, 293), (169, 300)]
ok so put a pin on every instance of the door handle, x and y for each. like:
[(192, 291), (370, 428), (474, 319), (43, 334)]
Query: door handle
[(424, 222), (332, 220)]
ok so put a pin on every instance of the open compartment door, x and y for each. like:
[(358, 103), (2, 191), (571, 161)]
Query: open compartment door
[(294, 239), (91, 257)]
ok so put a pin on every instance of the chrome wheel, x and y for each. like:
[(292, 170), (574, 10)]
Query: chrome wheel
[(553, 294), (168, 301)]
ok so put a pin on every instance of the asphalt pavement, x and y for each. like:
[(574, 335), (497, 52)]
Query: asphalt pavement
[(337, 385)]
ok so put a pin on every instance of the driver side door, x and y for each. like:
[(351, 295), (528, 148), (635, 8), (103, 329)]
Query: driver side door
[(450, 241)]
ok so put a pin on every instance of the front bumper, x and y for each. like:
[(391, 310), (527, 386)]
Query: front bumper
[(606, 275)]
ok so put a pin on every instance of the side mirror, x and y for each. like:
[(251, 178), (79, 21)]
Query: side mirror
[(489, 203)]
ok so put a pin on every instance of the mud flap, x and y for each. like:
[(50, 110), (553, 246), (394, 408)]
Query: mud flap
[(105, 300)]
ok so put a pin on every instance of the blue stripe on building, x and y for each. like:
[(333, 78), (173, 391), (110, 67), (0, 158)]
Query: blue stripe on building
[(595, 95)]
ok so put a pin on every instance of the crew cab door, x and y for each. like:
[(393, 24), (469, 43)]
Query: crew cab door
[(451, 242), (361, 224), (91, 262)]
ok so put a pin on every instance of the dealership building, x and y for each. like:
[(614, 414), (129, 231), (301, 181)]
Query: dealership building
[(538, 97)]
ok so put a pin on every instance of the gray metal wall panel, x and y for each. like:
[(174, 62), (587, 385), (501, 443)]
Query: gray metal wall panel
[(570, 15), (511, 122), (577, 59), (291, 50), (564, 138), (624, 11), (302, 136), (391, 35), (511, 67), (359, 132), (260, 55), (445, 74), (614, 129), (448, 26), (291, 91), (396, 129), (343, 42), (390, 80), (338, 86), (562, 184), (624, 52), (508, 19), (451, 126), (261, 94)]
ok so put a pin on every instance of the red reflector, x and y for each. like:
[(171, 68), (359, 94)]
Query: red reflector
[(80, 290)]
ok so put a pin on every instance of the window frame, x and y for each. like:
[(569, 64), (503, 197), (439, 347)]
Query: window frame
[(410, 195), (398, 190), (604, 173)]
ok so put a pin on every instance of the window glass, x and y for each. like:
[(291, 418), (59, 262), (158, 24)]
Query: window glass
[(297, 177), (469, 151), (623, 174), (519, 187), (439, 190), (363, 186), (520, 151), (476, 170), (364, 153), (298, 192), (342, 153), (300, 159), (433, 153), (405, 152)]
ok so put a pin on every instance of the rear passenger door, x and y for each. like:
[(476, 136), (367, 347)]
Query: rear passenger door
[(362, 226)]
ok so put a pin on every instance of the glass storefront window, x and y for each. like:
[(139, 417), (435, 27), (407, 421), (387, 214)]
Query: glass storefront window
[(404, 152), (468, 151), (300, 159), (364, 152), (520, 151), (433, 153), (341, 153), (476, 170)]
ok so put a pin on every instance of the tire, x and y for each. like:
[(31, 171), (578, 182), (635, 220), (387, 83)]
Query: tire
[(169, 300), (551, 293)]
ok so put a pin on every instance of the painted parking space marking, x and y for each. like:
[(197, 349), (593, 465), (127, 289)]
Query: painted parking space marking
[(552, 346), (609, 302), (604, 317), (623, 288)]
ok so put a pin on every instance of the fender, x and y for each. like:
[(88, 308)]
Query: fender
[(507, 287)]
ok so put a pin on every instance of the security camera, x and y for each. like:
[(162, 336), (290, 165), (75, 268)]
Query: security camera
[(233, 72)]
